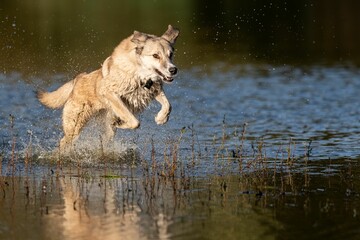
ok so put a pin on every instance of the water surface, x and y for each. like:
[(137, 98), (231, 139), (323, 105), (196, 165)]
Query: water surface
[(296, 161)]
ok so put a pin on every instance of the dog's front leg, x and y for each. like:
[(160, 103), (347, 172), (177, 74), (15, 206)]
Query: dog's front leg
[(163, 115), (128, 120)]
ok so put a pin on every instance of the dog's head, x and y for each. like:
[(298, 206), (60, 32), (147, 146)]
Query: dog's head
[(155, 54)]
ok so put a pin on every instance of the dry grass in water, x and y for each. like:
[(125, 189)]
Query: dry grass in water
[(170, 167)]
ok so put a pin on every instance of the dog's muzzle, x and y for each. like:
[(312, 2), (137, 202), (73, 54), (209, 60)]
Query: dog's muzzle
[(172, 70)]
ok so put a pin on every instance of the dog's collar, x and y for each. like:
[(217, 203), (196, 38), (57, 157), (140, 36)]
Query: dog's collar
[(148, 84)]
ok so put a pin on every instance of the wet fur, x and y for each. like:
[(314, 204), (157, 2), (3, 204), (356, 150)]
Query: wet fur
[(119, 89)]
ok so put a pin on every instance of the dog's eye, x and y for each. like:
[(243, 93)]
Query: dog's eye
[(171, 55), (156, 56)]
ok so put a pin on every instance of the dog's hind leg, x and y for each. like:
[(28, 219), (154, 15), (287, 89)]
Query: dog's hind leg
[(110, 126), (106, 119), (75, 116)]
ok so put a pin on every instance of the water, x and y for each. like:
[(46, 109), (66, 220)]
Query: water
[(277, 103), (281, 106), (280, 103), (262, 142), (75, 208)]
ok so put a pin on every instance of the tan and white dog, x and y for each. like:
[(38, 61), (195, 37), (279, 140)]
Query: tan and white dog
[(128, 81)]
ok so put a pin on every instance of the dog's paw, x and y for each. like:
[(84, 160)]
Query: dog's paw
[(161, 119)]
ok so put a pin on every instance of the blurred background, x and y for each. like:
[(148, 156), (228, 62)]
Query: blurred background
[(48, 36)]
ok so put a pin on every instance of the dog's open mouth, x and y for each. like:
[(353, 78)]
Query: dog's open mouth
[(164, 78)]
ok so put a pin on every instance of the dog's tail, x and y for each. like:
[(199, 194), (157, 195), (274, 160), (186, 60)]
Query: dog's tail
[(57, 98)]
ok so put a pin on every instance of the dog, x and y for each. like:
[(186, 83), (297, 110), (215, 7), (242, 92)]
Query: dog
[(124, 86)]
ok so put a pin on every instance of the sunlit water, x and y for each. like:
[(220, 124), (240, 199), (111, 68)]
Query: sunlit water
[(278, 104), (221, 113)]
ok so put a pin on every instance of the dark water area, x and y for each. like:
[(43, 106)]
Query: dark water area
[(231, 207), (262, 142), (68, 37)]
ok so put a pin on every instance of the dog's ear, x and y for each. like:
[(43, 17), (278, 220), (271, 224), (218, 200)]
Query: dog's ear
[(171, 34), (105, 69), (139, 39)]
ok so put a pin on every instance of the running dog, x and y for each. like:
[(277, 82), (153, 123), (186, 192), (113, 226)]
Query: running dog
[(124, 86)]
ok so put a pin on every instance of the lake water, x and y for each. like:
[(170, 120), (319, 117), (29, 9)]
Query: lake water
[(262, 143), (308, 116)]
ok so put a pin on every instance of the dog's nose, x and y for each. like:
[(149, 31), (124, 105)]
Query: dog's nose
[(173, 70)]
